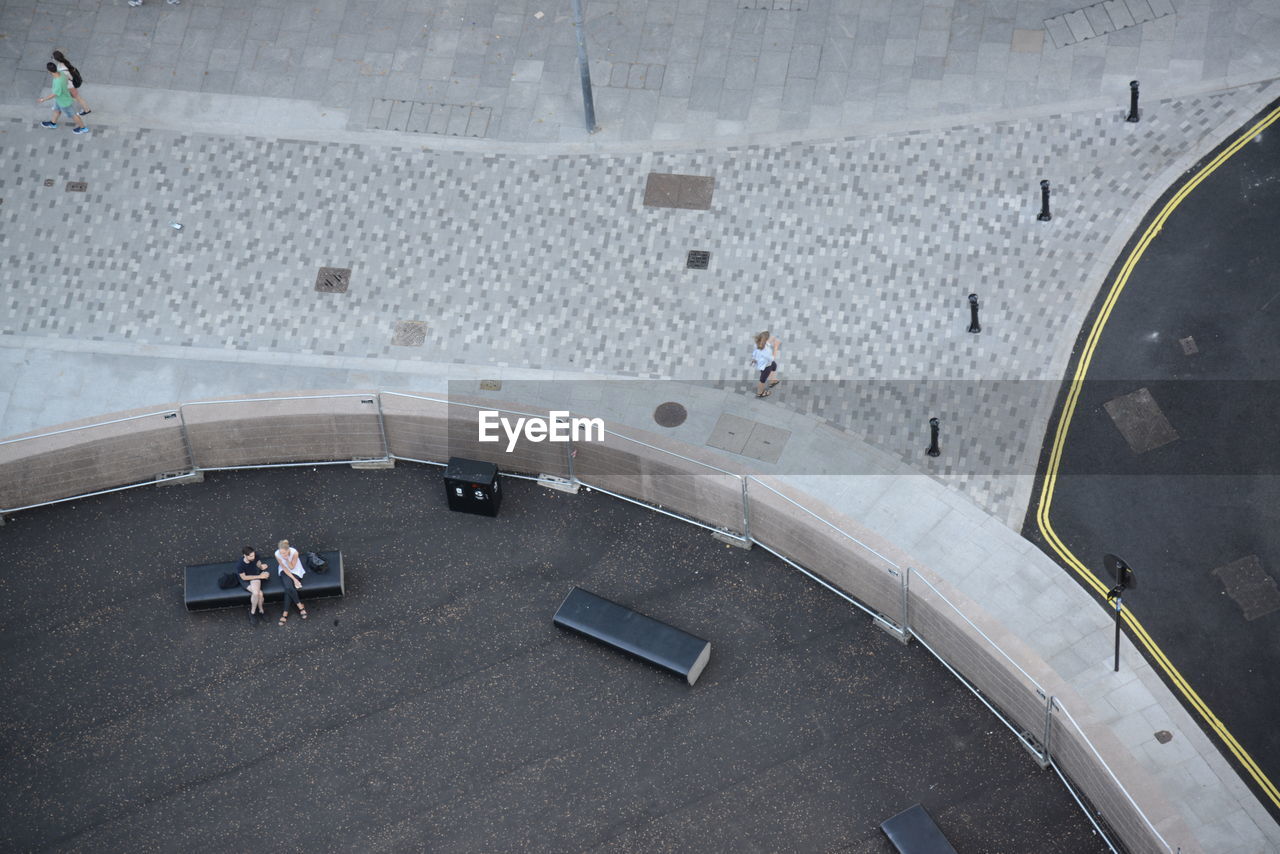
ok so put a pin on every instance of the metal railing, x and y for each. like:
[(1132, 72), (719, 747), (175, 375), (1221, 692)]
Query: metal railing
[(331, 429)]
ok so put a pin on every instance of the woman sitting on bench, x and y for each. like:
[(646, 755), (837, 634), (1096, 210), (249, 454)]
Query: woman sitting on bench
[(289, 566)]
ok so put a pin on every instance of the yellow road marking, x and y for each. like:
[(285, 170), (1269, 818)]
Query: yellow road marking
[(1059, 441)]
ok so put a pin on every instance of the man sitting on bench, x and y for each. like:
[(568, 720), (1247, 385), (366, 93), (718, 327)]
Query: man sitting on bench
[(289, 566), (252, 573)]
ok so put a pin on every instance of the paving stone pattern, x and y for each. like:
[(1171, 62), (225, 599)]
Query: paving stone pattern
[(859, 254), (663, 69)]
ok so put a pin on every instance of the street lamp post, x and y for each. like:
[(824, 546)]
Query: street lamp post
[(1125, 579), (584, 70)]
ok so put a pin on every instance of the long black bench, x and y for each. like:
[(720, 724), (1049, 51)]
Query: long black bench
[(913, 831), (203, 593), (634, 633)]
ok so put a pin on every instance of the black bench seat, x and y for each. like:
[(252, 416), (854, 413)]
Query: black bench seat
[(634, 633), (202, 592), (913, 831)]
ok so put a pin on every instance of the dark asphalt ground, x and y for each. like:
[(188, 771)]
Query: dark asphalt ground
[(1211, 497), (436, 708)]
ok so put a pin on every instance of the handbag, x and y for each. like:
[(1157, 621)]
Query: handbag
[(316, 563)]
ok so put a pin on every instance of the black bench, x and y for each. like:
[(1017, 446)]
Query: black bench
[(913, 831), (202, 592), (641, 636)]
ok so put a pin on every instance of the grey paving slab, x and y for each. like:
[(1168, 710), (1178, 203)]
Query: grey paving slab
[(345, 53), (842, 248)]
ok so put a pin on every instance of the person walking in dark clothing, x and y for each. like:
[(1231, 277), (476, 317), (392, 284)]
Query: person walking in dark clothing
[(73, 75)]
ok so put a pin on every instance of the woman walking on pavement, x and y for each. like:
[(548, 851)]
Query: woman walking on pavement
[(765, 358), (74, 80)]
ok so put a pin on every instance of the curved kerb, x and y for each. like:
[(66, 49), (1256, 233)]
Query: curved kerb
[(181, 442)]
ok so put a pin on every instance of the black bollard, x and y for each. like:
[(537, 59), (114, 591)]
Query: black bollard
[(1133, 102), (933, 438), (1044, 215), (974, 326)]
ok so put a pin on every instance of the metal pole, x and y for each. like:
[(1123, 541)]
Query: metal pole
[(186, 439), (1133, 102), (1119, 607), (382, 427), (588, 104), (569, 450), (906, 604), (1044, 215), (933, 450), (746, 510), (1048, 728)]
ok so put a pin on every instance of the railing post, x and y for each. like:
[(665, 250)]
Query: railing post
[(906, 605), (186, 439), (1046, 755), (382, 426), (569, 454), (746, 510)]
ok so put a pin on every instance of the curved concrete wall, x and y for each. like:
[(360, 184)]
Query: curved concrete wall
[(143, 447)]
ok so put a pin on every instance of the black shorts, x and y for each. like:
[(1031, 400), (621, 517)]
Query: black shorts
[(764, 375)]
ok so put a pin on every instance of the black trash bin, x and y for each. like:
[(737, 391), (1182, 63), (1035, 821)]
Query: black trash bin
[(472, 486)]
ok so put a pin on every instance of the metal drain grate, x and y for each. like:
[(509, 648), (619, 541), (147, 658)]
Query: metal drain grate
[(635, 75), (670, 414), (410, 333), (1103, 18), (424, 117), (699, 260), (77, 186), (333, 280), (775, 5)]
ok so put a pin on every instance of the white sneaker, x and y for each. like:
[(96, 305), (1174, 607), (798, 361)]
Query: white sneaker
[(135, 2)]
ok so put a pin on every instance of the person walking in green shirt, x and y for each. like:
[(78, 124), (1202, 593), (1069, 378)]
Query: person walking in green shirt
[(63, 103)]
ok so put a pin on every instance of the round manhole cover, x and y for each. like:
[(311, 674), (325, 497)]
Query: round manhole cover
[(670, 414)]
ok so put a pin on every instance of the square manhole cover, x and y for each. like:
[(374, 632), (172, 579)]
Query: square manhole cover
[(687, 192), (333, 280), (749, 438), (77, 186), (410, 333), (1250, 586), (699, 260), (1138, 418)]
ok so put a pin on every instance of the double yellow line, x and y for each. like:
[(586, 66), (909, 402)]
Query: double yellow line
[(1059, 441)]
